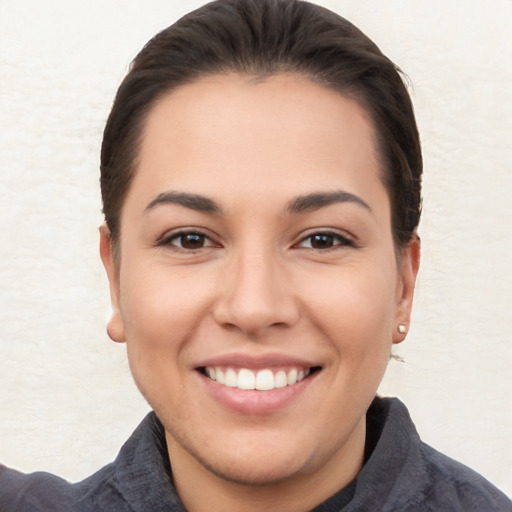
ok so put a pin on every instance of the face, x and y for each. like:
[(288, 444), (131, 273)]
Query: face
[(258, 288)]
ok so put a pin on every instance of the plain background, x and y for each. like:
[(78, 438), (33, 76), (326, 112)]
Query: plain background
[(67, 401)]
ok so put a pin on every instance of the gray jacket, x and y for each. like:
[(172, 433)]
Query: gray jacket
[(401, 474)]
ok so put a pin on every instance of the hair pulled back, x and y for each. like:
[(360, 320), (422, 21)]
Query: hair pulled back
[(262, 38)]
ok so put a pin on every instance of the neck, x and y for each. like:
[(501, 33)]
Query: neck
[(202, 490)]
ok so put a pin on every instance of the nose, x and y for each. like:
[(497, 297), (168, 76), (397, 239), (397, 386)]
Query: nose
[(256, 295)]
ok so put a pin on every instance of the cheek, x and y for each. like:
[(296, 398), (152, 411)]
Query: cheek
[(161, 309), (354, 306)]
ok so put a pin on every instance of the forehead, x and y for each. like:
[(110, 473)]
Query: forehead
[(284, 131)]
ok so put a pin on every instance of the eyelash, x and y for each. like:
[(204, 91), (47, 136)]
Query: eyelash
[(169, 239), (337, 239)]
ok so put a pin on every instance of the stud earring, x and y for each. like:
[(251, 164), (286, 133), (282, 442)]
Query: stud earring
[(402, 328)]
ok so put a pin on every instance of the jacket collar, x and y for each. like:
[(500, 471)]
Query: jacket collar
[(393, 473)]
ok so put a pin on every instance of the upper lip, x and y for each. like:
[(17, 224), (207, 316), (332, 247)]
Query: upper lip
[(238, 360)]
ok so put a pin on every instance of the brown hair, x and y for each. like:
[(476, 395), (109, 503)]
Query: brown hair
[(263, 38)]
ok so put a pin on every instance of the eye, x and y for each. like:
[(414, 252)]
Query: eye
[(188, 240), (325, 240)]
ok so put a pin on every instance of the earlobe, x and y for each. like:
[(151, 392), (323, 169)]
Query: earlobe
[(115, 326), (407, 272)]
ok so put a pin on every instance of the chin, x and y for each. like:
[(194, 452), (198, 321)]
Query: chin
[(249, 458), (266, 469)]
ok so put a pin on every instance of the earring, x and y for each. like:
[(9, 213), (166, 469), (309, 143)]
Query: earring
[(402, 328)]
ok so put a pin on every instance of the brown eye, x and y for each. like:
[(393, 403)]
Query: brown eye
[(191, 240), (188, 241), (322, 241), (325, 240)]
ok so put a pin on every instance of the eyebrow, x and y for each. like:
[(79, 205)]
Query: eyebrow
[(317, 200), (300, 204), (193, 201)]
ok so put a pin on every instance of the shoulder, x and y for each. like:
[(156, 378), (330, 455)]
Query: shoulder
[(41, 492), (455, 487), (417, 478), (140, 475), (32, 492)]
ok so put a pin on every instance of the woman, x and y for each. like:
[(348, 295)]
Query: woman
[(260, 176)]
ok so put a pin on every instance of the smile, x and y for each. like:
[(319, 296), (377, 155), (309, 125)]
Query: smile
[(264, 379)]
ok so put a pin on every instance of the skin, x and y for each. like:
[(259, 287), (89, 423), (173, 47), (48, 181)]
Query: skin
[(258, 285)]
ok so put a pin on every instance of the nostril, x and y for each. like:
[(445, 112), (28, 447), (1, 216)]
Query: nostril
[(254, 317), (279, 324)]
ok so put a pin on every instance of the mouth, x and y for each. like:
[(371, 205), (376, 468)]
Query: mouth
[(261, 379)]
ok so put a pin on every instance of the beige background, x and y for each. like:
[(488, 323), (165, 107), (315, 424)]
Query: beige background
[(66, 397)]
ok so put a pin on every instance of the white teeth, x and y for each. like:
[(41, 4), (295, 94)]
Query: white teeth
[(280, 380), (265, 380), (262, 380), (291, 378), (230, 377), (246, 379)]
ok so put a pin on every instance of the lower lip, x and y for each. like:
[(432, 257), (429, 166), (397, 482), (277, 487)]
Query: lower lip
[(255, 402)]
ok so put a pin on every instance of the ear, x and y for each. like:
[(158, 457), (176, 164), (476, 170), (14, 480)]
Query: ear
[(407, 271), (115, 326)]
